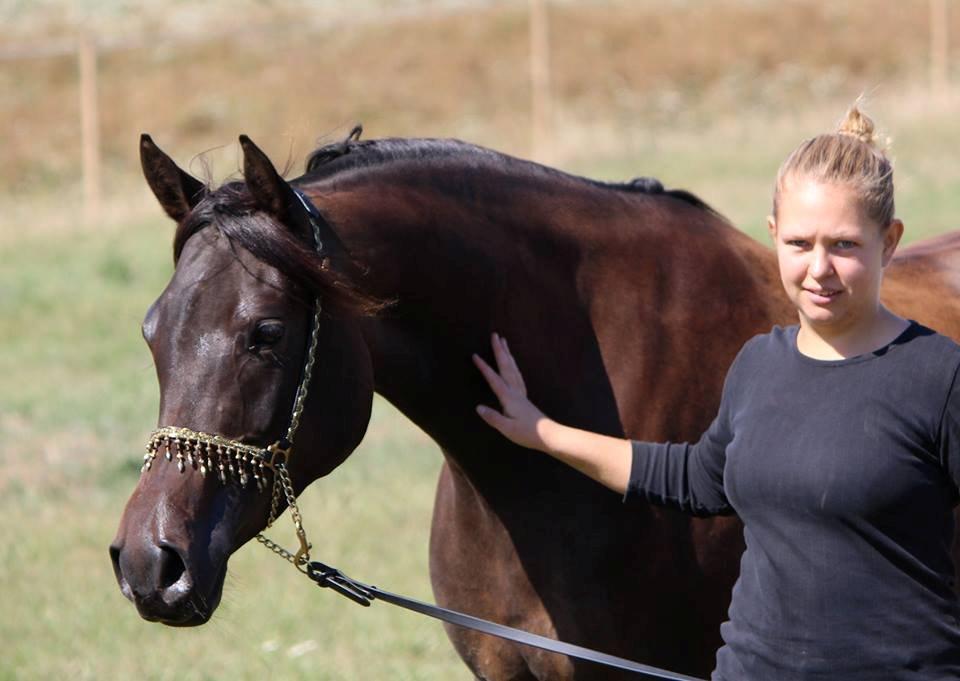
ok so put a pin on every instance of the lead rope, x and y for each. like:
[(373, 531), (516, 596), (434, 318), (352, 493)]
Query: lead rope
[(326, 576), (365, 594)]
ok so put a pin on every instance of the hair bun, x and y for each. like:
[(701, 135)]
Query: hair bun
[(855, 156), (860, 125)]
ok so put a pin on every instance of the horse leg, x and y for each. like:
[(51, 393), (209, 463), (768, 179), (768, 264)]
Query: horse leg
[(474, 569)]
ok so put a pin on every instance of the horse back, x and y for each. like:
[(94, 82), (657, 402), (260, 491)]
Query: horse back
[(923, 283)]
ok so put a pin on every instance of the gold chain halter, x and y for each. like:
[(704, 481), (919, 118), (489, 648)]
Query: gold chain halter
[(240, 462)]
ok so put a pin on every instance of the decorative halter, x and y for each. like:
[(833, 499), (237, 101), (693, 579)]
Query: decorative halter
[(240, 462)]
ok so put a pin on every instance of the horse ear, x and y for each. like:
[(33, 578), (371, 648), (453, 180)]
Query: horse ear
[(269, 190), (273, 195), (177, 191)]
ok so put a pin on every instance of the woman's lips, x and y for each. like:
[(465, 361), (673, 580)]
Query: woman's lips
[(822, 296)]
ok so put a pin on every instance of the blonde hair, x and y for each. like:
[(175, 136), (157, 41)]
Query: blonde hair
[(851, 156)]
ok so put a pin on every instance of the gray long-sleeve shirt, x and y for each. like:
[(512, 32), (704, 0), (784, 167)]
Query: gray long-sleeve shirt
[(845, 474)]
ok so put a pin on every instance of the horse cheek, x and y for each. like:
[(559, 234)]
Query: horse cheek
[(340, 402)]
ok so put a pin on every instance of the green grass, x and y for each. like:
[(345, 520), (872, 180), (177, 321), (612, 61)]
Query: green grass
[(65, 618)]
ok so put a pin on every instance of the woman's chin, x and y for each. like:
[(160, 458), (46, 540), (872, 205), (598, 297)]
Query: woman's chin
[(817, 317)]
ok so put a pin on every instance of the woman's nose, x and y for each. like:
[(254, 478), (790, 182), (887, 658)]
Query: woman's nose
[(821, 264)]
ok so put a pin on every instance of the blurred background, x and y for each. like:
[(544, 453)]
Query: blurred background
[(708, 96)]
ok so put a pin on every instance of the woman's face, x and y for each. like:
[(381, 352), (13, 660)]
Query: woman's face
[(831, 255)]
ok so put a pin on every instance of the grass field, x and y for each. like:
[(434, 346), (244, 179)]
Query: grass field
[(77, 388)]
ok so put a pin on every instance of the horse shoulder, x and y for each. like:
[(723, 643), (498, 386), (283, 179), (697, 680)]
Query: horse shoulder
[(672, 291), (923, 283)]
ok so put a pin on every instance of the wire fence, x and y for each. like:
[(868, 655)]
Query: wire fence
[(95, 38), (88, 46), (210, 25)]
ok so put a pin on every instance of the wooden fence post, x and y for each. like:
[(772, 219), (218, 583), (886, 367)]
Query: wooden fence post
[(89, 128), (541, 106), (938, 48)]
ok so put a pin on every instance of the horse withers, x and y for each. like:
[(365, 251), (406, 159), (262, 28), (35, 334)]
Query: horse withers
[(624, 303)]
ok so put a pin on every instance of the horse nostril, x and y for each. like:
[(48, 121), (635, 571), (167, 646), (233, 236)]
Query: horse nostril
[(115, 559), (171, 567)]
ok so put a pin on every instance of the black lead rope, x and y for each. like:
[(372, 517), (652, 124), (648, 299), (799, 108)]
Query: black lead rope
[(364, 594)]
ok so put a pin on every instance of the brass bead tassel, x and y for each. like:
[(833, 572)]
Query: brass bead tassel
[(148, 457), (235, 462), (221, 467)]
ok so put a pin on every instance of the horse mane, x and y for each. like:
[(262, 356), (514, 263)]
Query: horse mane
[(352, 153), (231, 210)]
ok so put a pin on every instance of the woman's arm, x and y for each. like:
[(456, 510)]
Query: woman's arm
[(605, 459)]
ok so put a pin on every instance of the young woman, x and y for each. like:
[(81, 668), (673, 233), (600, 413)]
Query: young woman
[(837, 442)]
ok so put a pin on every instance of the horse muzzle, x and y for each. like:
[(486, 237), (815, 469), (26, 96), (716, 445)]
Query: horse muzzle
[(157, 578)]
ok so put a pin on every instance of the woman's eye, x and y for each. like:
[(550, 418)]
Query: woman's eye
[(266, 333)]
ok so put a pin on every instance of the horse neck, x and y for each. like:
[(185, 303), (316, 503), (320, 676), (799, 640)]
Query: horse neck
[(444, 258), (449, 258), (466, 254)]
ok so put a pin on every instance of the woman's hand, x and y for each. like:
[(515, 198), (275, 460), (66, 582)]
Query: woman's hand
[(605, 459), (521, 422)]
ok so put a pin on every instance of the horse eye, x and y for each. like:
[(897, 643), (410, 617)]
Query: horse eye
[(267, 332)]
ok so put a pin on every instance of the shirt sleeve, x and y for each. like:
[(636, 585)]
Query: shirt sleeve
[(949, 435), (688, 477)]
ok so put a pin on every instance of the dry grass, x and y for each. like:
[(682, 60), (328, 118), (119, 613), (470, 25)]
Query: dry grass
[(629, 70)]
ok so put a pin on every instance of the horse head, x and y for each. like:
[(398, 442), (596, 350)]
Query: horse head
[(262, 304)]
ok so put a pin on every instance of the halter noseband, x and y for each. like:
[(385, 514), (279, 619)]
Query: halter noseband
[(239, 461)]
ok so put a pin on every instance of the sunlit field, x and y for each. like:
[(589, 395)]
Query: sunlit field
[(78, 393)]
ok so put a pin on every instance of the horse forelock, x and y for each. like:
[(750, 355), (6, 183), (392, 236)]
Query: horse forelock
[(231, 210)]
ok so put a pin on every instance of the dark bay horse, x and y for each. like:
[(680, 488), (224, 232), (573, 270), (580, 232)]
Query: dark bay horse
[(624, 303)]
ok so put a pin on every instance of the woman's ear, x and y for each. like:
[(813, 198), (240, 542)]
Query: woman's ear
[(772, 228), (891, 238)]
